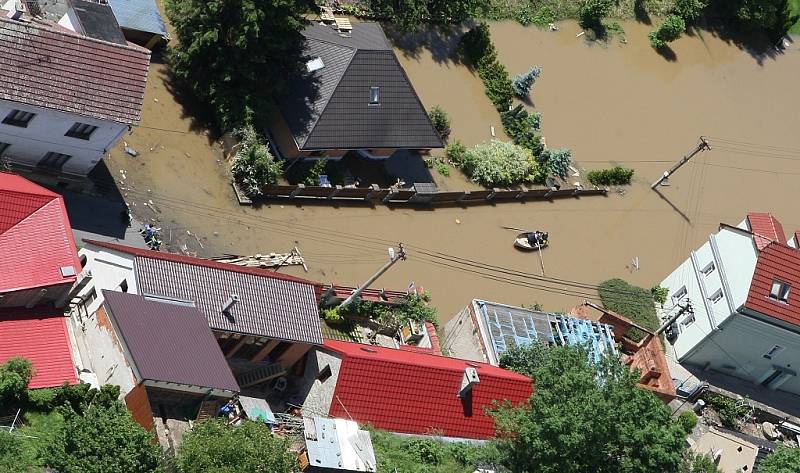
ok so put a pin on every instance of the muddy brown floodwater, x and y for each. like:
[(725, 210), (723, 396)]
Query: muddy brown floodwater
[(610, 104)]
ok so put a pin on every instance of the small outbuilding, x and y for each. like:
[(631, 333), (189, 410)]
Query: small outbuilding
[(336, 445)]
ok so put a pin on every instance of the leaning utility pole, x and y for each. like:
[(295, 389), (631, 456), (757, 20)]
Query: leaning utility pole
[(393, 258), (701, 146)]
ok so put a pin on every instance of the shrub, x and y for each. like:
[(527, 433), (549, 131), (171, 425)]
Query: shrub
[(499, 163), (659, 293), (591, 12), (479, 50), (457, 154), (428, 451), (698, 463), (615, 176), (688, 9), (729, 410), (331, 315), (556, 161), (523, 82), (15, 374), (311, 177), (440, 121), (633, 302), (670, 30), (687, 421), (523, 128), (42, 399), (543, 16), (443, 169)]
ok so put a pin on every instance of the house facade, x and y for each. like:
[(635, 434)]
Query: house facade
[(738, 310), (264, 322), (58, 118), (352, 96)]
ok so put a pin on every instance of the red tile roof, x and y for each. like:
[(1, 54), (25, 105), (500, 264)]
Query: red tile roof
[(776, 262), (45, 66), (165, 256), (416, 393), (765, 229), (40, 335), (35, 236)]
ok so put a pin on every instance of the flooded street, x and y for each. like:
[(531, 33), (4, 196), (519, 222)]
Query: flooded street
[(611, 104)]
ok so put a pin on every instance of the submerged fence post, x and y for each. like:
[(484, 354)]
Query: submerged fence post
[(297, 190)]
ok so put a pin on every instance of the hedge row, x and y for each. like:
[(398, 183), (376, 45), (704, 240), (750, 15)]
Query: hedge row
[(616, 176)]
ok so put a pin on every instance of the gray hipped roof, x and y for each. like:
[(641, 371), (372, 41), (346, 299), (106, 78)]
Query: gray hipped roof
[(169, 342), (329, 108)]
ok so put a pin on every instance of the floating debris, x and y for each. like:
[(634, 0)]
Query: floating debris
[(131, 152)]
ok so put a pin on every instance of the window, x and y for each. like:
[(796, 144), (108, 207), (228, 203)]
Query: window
[(123, 286), (18, 118), (324, 374), (3, 147), (81, 131), (54, 160), (688, 320), (709, 268), (773, 352), (679, 294), (716, 297), (89, 297), (374, 95), (780, 291)]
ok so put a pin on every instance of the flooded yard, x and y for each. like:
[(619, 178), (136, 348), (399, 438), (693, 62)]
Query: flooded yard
[(610, 103)]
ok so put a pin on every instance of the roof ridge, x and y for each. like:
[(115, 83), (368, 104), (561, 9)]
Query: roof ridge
[(313, 125), (47, 26), (197, 261)]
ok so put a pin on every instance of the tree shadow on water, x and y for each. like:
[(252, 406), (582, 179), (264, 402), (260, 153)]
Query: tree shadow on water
[(761, 45), (441, 41), (667, 53), (640, 12)]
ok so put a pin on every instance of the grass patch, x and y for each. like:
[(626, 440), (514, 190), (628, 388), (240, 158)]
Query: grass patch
[(635, 303), (794, 12)]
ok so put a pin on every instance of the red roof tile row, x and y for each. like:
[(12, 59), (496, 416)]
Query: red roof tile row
[(776, 262), (46, 66), (35, 236), (417, 393), (40, 335)]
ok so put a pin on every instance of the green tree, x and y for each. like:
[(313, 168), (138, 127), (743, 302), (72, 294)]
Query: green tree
[(213, 447), (586, 417), (670, 30), (103, 438), (254, 167), (769, 15), (782, 460), (440, 121), (233, 54), (697, 463), (525, 359), (15, 374), (689, 9), (591, 12), (410, 14)]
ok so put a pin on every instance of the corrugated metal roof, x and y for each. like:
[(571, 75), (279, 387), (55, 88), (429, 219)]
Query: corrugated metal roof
[(415, 393), (50, 67), (139, 15), (330, 108), (169, 342), (35, 236), (338, 444), (40, 335), (268, 307)]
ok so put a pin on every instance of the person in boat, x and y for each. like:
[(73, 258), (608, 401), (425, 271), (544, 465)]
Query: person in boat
[(537, 238)]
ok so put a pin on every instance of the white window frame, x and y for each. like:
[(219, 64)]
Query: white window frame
[(716, 297), (780, 290), (679, 294), (708, 269)]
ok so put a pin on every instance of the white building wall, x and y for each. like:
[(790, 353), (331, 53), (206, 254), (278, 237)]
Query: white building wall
[(108, 270), (105, 354), (45, 133), (715, 279), (738, 349)]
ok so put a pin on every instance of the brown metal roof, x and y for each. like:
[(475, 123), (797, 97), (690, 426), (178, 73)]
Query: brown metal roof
[(47, 66), (268, 307), (169, 342)]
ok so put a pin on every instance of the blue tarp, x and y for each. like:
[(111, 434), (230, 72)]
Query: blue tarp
[(139, 15)]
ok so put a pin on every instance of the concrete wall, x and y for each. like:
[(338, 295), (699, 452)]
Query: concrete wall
[(104, 354), (320, 393), (715, 279), (461, 337), (45, 133), (738, 350), (108, 269)]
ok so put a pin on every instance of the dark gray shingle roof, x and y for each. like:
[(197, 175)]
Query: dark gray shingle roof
[(269, 307), (169, 342), (329, 108)]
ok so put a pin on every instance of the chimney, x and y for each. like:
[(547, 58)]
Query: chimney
[(16, 11), (226, 308), (469, 380)]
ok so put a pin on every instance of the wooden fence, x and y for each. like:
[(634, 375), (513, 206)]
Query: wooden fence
[(375, 195)]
